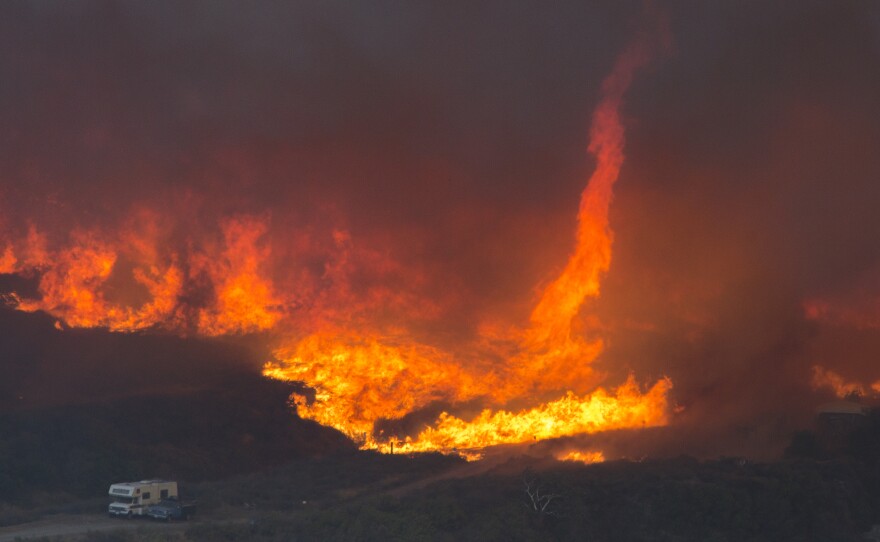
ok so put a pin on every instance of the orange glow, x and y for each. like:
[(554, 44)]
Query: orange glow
[(562, 299), (363, 377), (825, 378), (359, 380), (28, 255), (8, 260), (627, 407), (582, 457), (35, 254), (73, 288), (130, 281), (860, 314), (340, 332), (245, 300)]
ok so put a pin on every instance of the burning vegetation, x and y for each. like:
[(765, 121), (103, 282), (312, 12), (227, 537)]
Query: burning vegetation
[(359, 381), (544, 386), (397, 230)]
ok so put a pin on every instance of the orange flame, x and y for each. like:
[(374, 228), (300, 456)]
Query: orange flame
[(562, 299), (31, 253), (360, 381), (569, 415), (825, 378), (8, 260), (72, 288), (540, 385), (582, 457), (81, 285), (245, 300)]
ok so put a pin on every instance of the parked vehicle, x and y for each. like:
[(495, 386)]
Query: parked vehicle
[(171, 510), (130, 499)]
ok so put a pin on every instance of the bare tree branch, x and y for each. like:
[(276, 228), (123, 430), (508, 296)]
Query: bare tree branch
[(537, 501)]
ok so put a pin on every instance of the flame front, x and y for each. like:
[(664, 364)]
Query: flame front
[(359, 381), (245, 299), (530, 381), (129, 280), (72, 288), (569, 415)]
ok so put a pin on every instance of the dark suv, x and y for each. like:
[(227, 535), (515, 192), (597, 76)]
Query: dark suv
[(170, 510)]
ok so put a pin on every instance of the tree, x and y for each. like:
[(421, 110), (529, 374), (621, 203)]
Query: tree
[(538, 500)]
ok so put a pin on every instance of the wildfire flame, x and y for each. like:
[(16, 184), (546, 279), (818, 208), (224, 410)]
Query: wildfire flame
[(582, 457), (825, 378), (140, 276), (78, 283), (360, 381)]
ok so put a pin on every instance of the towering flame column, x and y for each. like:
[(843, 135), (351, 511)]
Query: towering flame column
[(552, 318), (360, 376)]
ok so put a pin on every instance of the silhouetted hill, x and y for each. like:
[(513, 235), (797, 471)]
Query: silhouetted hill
[(370, 497), (80, 409), (210, 434), (41, 365)]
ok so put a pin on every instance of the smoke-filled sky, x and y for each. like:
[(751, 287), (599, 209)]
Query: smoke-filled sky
[(416, 168)]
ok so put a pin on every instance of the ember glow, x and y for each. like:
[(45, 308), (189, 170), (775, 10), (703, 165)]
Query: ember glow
[(827, 379), (582, 457)]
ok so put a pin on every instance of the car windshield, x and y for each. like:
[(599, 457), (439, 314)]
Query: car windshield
[(123, 500)]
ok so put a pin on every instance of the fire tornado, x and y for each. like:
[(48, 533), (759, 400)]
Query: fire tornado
[(361, 378), (517, 382)]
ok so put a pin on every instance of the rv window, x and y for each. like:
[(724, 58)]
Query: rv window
[(146, 496), (163, 494)]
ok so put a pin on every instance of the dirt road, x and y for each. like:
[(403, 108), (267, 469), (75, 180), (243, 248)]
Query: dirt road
[(65, 525)]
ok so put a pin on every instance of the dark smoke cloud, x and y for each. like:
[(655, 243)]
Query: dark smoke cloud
[(453, 134), (451, 137), (750, 187)]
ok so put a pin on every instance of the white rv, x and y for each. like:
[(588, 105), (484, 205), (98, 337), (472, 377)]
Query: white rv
[(132, 498)]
